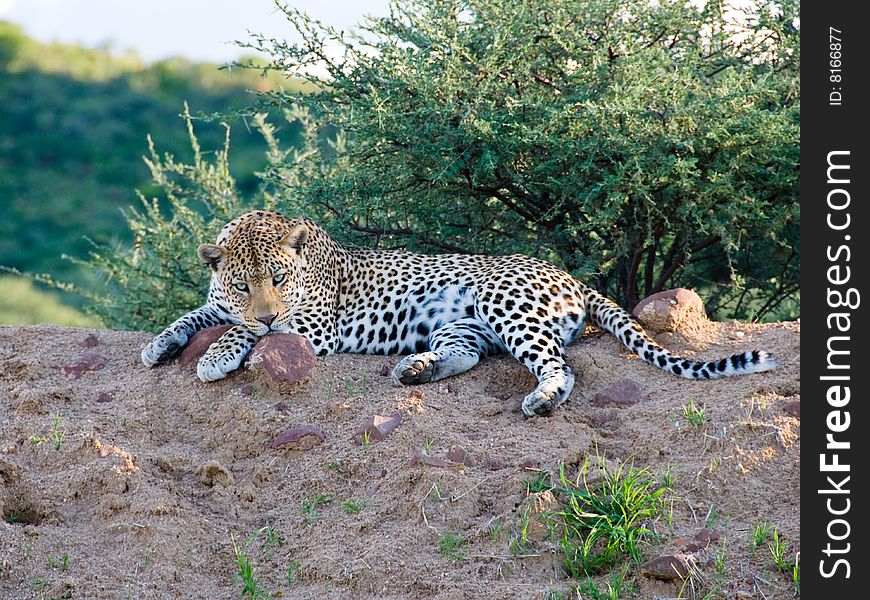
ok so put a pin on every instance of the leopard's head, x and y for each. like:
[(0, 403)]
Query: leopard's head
[(258, 269)]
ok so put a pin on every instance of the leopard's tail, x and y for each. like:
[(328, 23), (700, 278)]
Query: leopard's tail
[(611, 317)]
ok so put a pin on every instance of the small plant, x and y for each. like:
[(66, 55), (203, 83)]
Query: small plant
[(715, 464), (366, 440), (308, 507), (539, 484), (55, 435), (294, 571), (428, 445), (712, 517), (249, 584), (719, 558), (778, 549), (694, 415), (449, 545), (62, 563), (604, 521), (332, 465), (760, 534), (352, 507), (614, 586), (519, 543), (667, 478), (494, 529)]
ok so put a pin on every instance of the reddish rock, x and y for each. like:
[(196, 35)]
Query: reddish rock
[(622, 393), (302, 437), (600, 417), (418, 458), (460, 456), (378, 426), (199, 343), (89, 361), (705, 536), (89, 341), (497, 464), (668, 567), (671, 310), (792, 408), (286, 358)]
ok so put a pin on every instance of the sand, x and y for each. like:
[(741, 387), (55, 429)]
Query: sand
[(158, 476)]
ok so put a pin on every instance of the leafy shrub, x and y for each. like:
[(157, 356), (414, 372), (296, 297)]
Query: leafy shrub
[(160, 277), (643, 144)]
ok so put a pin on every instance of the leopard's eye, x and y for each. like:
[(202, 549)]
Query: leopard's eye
[(242, 287), (278, 278)]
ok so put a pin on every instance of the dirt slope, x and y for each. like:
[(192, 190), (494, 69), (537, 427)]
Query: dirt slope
[(157, 474)]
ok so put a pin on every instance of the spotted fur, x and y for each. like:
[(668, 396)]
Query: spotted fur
[(271, 273)]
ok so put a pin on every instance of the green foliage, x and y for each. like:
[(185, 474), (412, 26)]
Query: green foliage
[(603, 522), (151, 284), (22, 303), (72, 134), (449, 545), (645, 144)]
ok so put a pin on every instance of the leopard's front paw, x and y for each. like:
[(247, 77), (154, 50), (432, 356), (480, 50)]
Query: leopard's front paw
[(217, 363), (414, 369), (162, 348)]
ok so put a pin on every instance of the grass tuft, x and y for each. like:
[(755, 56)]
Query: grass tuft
[(605, 521)]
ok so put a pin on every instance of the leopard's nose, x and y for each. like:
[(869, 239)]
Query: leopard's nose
[(266, 319)]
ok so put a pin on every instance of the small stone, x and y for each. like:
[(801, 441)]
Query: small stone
[(287, 358), (621, 393), (89, 341), (460, 456), (497, 464), (671, 310), (531, 463), (246, 390), (89, 361), (384, 371), (303, 437), (793, 408), (600, 417), (705, 536), (668, 567), (105, 397), (417, 457), (282, 407), (378, 427), (199, 343)]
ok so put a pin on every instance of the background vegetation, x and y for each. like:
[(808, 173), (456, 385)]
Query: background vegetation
[(638, 145), (72, 135)]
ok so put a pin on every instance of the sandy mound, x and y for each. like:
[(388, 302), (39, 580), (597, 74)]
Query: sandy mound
[(157, 475)]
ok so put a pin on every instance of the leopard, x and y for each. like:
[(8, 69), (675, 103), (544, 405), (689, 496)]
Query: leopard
[(443, 312)]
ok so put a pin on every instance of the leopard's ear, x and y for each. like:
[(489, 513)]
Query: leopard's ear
[(297, 238), (211, 255)]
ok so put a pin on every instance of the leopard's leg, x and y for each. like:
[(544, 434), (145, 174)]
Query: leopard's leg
[(170, 342), (226, 354), (542, 354), (454, 347)]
